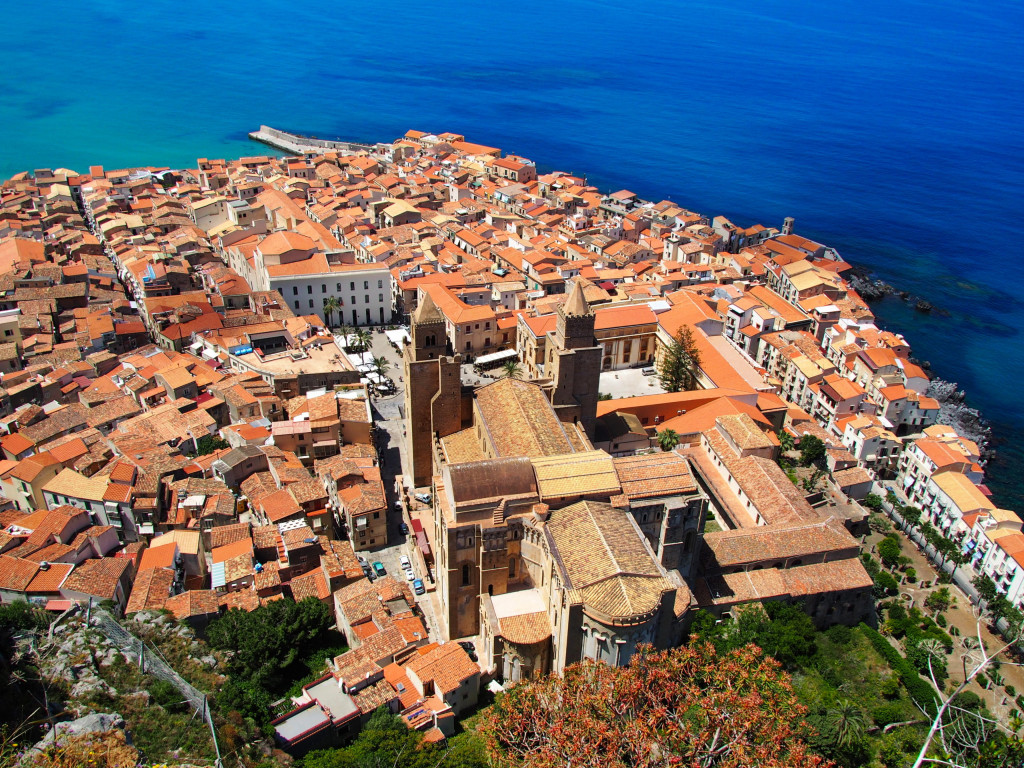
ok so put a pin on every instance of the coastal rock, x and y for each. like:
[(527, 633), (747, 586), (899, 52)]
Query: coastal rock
[(870, 289), (954, 412)]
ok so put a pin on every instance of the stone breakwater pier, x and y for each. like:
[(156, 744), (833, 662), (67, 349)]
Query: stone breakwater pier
[(299, 144)]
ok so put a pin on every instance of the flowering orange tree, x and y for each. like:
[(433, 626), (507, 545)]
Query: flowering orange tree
[(683, 707)]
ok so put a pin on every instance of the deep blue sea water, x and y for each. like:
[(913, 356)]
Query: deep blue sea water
[(890, 130)]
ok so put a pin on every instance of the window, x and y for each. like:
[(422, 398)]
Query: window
[(380, 283), (380, 297), (309, 289), (296, 305), (376, 515), (323, 287), (366, 284), (295, 290), (512, 568), (351, 286), (465, 575), (310, 303), (338, 288), (367, 297)]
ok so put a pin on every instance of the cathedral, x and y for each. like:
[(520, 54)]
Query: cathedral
[(548, 549)]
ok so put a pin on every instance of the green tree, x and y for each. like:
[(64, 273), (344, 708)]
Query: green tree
[(264, 646), (363, 341), (889, 551), (812, 450), (512, 369), (668, 439), (331, 305), (788, 635), (911, 517), (209, 443), (380, 365), (873, 502), (939, 600), (786, 441), (985, 586), (345, 331), (849, 721), (680, 366)]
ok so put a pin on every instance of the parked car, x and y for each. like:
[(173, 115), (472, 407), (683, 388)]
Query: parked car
[(363, 561), (379, 569), (409, 575), (403, 528), (469, 648), (648, 371), (422, 497), (406, 563), (417, 587)]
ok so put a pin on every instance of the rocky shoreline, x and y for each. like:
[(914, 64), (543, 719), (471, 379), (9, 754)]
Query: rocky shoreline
[(953, 408), (871, 288)]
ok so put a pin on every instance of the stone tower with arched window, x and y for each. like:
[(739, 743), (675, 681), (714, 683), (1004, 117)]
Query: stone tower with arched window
[(574, 361), (433, 388)]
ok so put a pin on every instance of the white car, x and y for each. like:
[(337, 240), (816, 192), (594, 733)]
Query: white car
[(406, 563), (409, 575)]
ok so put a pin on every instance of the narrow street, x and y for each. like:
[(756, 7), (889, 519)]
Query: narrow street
[(389, 419)]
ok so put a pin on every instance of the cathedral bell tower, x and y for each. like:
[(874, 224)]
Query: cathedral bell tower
[(574, 361), (433, 388)]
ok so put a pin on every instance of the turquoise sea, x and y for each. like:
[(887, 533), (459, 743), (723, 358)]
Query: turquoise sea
[(890, 130)]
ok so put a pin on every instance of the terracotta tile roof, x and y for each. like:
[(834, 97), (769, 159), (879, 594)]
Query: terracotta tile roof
[(312, 584), (16, 573), (774, 543), (654, 474), (602, 555), (237, 547), (226, 534), (31, 466), (242, 600), (51, 579), (462, 447), (373, 697), (279, 506), (238, 568), (268, 576), (519, 420), (772, 583), (150, 590), (525, 629), (577, 474), (194, 602), (447, 666), (98, 578)]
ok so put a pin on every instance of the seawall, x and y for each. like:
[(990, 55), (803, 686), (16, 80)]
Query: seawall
[(300, 145)]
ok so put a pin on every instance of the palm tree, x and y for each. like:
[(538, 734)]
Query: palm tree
[(380, 365), (668, 439), (512, 369), (849, 721), (331, 305), (345, 331), (786, 441), (363, 339)]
